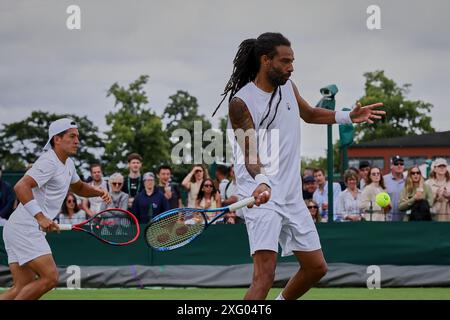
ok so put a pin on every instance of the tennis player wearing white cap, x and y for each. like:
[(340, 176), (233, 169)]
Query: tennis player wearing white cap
[(41, 193)]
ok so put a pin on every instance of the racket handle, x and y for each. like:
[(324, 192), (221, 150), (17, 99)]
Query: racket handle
[(65, 227), (243, 203)]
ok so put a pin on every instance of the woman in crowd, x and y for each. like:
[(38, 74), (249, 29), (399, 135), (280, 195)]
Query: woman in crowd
[(348, 206), (416, 196), (374, 185), (208, 197), (313, 208), (70, 212), (440, 186), (192, 183)]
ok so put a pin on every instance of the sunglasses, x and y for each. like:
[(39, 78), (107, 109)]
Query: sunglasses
[(375, 174), (311, 207), (208, 185), (399, 164), (415, 172), (70, 201), (116, 183)]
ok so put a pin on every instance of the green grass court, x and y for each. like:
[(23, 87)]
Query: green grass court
[(238, 293)]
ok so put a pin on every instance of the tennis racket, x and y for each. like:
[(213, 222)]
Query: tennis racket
[(113, 226), (177, 227)]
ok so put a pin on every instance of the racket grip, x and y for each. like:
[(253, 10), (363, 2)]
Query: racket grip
[(242, 203), (65, 227)]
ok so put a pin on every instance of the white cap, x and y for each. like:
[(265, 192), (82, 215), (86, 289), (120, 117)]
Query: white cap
[(57, 127), (439, 161)]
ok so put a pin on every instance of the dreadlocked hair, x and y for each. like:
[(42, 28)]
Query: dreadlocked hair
[(246, 63), (245, 68)]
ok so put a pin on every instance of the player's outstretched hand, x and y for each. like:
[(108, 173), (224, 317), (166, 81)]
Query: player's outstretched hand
[(106, 197), (366, 113), (262, 194)]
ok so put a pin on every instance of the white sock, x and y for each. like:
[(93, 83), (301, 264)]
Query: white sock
[(280, 297)]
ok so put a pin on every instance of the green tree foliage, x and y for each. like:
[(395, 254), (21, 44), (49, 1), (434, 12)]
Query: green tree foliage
[(316, 163), (21, 142), (181, 113), (134, 128), (404, 117)]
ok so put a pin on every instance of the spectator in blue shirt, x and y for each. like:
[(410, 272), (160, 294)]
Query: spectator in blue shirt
[(149, 202), (320, 196), (395, 183)]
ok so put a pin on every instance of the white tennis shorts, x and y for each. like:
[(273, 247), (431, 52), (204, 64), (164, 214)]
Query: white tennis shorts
[(289, 225), (23, 243)]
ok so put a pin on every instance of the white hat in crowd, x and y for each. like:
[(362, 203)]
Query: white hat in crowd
[(439, 161)]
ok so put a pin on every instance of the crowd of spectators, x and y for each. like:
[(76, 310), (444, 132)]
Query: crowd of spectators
[(413, 197)]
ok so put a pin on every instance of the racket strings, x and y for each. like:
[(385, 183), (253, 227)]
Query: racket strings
[(175, 229), (113, 226)]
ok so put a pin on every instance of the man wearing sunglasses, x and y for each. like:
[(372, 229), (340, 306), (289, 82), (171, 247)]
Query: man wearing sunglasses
[(395, 182)]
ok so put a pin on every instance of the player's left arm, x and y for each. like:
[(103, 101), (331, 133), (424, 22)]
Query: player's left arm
[(324, 116), (84, 189)]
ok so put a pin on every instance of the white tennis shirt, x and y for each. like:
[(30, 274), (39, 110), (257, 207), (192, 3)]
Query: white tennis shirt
[(54, 179), (278, 147)]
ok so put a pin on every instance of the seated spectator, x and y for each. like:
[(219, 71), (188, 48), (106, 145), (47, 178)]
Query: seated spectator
[(309, 187), (208, 197), (230, 197), (192, 183), (313, 208), (133, 184), (70, 212), (416, 197), (149, 202), (222, 173), (440, 186), (7, 200), (374, 185), (170, 190), (321, 194), (348, 206), (356, 171), (364, 168), (395, 182), (118, 197)]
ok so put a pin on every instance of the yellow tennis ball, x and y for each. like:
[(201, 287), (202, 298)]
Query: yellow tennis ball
[(383, 199)]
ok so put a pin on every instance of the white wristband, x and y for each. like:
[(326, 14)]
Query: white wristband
[(343, 117), (32, 207), (260, 178)]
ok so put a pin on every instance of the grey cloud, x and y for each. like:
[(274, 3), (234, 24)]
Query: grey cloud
[(190, 45)]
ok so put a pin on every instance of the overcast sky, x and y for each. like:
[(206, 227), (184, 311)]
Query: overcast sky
[(190, 45)]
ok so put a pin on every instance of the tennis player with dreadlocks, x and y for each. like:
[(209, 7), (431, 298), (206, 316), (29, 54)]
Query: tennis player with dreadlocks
[(263, 99)]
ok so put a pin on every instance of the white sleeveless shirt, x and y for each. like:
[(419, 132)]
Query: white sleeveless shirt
[(278, 147)]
